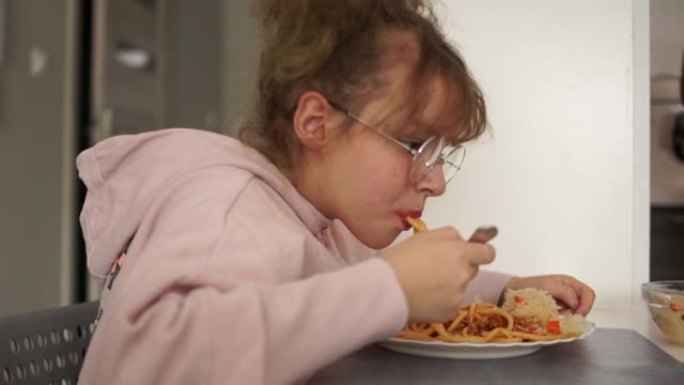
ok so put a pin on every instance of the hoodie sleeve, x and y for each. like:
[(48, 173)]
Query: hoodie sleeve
[(213, 293), (487, 286)]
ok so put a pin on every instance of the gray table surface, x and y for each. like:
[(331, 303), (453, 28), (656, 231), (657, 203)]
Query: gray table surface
[(608, 356)]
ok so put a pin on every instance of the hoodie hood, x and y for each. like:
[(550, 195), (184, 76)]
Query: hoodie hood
[(124, 174)]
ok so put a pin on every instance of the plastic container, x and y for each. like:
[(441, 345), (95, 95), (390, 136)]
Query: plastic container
[(665, 301)]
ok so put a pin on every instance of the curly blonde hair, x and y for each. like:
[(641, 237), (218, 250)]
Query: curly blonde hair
[(332, 46)]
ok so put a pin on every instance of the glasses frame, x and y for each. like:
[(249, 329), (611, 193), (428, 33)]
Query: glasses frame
[(431, 164)]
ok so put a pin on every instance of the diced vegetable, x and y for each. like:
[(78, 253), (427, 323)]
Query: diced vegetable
[(553, 327)]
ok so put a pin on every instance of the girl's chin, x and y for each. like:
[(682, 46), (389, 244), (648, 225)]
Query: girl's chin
[(379, 241)]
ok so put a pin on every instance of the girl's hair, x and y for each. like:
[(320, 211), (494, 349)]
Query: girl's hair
[(332, 46)]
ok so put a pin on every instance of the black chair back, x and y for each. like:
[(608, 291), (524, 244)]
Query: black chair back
[(46, 347)]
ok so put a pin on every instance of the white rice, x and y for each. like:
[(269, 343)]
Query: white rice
[(536, 305)]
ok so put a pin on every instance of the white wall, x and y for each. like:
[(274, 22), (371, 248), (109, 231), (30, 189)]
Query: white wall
[(561, 174)]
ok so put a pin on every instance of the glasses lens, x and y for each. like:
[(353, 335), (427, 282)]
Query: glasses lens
[(429, 152), (427, 156), (453, 160), (435, 154)]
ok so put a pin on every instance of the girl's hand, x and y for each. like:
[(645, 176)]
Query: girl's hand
[(571, 294), (433, 268)]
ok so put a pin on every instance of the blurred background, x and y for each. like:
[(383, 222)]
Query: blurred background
[(667, 139), (73, 72)]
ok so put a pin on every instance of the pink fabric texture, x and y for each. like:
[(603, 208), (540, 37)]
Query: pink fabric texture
[(230, 276)]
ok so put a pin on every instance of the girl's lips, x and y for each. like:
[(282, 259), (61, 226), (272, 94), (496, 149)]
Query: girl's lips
[(414, 214)]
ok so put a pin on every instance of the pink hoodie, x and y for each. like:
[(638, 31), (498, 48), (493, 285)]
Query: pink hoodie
[(229, 276)]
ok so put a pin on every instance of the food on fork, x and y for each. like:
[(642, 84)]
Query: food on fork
[(417, 224)]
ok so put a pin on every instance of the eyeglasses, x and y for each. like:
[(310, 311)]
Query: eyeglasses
[(433, 153)]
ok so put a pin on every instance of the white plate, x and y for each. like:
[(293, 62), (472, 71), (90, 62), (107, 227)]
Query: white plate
[(463, 350)]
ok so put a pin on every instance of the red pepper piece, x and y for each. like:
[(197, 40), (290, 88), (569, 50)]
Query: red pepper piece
[(553, 327)]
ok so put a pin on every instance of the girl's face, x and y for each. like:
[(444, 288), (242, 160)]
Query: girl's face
[(360, 176), (369, 183)]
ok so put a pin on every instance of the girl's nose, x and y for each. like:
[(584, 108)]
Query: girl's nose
[(433, 182)]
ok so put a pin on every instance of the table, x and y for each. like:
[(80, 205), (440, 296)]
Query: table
[(608, 356), (639, 319), (624, 349)]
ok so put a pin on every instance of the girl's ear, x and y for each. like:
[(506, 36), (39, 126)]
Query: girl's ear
[(312, 122)]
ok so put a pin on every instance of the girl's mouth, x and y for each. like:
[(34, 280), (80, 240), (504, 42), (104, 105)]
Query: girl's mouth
[(414, 214)]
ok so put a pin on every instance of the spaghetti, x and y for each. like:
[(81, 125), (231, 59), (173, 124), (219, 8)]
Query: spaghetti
[(417, 224), (483, 322)]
